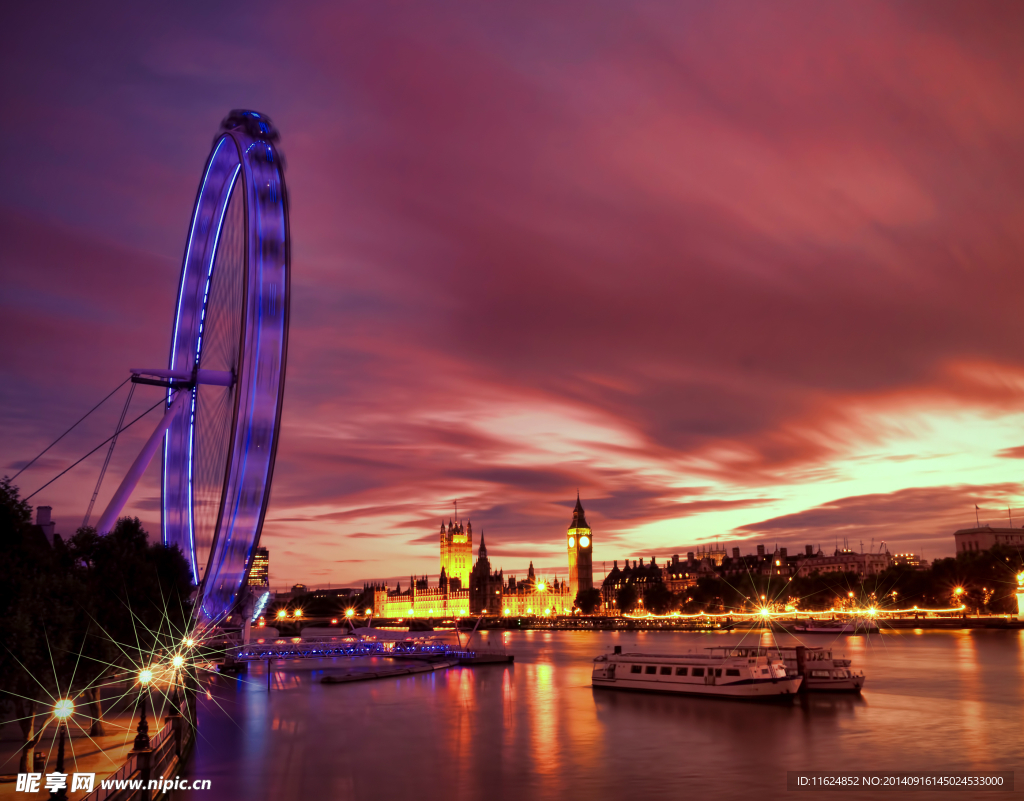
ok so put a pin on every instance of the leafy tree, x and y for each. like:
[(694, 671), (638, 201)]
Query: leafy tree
[(658, 598), (588, 601), (627, 598), (36, 600), (78, 610)]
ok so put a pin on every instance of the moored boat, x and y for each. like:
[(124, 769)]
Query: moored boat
[(821, 671), (756, 677), (853, 626)]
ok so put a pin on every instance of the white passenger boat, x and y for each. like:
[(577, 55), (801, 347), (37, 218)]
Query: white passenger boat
[(755, 677), (821, 671), (853, 626)]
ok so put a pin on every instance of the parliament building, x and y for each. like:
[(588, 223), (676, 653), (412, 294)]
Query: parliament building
[(467, 588)]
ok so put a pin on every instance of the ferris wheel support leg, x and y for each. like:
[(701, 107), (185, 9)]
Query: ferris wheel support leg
[(139, 466)]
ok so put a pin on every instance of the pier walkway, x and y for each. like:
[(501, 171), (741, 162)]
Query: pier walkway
[(323, 647)]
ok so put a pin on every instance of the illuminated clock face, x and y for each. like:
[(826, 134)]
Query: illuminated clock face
[(572, 542), (584, 541)]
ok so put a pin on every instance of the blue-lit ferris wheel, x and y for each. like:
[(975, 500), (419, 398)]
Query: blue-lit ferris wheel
[(225, 378)]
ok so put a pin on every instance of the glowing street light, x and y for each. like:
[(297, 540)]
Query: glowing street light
[(765, 612), (281, 614), (958, 591), (178, 660), (145, 676), (369, 611), (62, 710), (540, 586), (189, 642), (349, 612), (298, 613)]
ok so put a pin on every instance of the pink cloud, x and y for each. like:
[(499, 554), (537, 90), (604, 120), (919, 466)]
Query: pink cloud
[(693, 244)]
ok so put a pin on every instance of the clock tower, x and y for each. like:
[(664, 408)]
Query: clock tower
[(580, 541)]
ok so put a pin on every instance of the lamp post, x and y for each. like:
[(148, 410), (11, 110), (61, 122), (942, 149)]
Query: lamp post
[(1020, 596), (142, 737), (62, 710)]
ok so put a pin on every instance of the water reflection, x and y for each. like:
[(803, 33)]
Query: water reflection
[(537, 730)]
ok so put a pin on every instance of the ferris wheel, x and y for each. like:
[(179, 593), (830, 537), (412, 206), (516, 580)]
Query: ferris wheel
[(225, 378)]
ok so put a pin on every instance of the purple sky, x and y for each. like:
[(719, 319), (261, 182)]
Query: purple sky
[(736, 271)]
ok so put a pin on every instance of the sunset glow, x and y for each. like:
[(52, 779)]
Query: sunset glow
[(724, 303)]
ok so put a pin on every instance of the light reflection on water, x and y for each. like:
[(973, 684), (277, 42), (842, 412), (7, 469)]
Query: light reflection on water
[(537, 730)]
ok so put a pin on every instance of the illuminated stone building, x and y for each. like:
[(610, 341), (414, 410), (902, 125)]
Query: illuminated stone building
[(465, 588), (679, 576), (485, 587), (259, 573), (535, 596), (580, 542), (636, 575), (457, 551), (419, 601)]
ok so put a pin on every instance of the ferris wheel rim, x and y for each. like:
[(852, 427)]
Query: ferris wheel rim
[(256, 405)]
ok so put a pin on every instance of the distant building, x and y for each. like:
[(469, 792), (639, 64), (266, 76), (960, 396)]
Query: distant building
[(985, 537), (845, 561), (299, 589), (909, 560), (259, 573), (637, 575), (45, 523), (716, 554), (335, 592)]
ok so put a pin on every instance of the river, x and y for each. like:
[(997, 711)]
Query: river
[(536, 730)]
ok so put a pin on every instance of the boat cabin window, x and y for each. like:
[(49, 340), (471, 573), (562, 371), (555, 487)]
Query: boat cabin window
[(698, 672), (666, 671), (634, 668), (718, 673), (731, 672), (651, 669), (681, 671), (819, 674)]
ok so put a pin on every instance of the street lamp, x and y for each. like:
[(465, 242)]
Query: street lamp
[(62, 710), (142, 737)]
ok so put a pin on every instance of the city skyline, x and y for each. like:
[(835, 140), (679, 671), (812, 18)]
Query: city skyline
[(724, 303)]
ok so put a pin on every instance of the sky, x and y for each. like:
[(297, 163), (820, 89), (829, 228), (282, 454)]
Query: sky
[(742, 273)]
